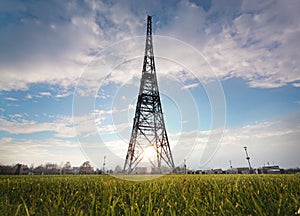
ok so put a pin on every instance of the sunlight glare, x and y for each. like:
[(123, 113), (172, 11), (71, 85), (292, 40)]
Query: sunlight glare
[(149, 152)]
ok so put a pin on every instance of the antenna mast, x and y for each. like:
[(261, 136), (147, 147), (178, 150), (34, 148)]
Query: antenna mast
[(248, 159), (148, 130)]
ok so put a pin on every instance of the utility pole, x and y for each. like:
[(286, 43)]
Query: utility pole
[(104, 164)]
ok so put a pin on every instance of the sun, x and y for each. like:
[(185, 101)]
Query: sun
[(149, 152)]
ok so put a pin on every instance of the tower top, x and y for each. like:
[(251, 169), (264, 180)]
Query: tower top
[(149, 25), (149, 65)]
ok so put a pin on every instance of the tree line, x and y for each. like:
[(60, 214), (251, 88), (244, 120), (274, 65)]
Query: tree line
[(50, 169)]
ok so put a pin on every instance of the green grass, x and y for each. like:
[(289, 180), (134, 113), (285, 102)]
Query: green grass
[(168, 195)]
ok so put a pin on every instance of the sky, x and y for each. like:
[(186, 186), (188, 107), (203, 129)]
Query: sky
[(228, 74)]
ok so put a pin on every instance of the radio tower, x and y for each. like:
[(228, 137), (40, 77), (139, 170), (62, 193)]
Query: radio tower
[(248, 159), (148, 131)]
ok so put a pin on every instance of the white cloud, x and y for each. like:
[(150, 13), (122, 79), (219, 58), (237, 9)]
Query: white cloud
[(131, 107), (113, 128), (16, 116), (194, 85), (61, 43), (10, 99), (12, 105), (28, 96), (62, 127), (296, 84), (259, 46), (45, 94), (62, 95), (254, 41), (266, 141), (39, 152)]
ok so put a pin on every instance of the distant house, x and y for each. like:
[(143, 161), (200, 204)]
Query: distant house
[(231, 171), (217, 171), (241, 170), (198, 172), (75, 170), (213, 171), (270, 170), (144, 170), (292, 171)]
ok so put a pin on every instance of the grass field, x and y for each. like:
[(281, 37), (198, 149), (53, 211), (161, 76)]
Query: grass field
[(168, 195)]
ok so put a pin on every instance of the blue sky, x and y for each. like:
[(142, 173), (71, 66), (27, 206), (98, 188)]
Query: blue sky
[(70, 71)]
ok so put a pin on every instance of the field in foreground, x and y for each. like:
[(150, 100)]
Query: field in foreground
[(168, 195)]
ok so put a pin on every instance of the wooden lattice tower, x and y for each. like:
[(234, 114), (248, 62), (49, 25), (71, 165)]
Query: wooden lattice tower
[(149, 129)]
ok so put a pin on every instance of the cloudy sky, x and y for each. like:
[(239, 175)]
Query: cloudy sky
[(228, 73)]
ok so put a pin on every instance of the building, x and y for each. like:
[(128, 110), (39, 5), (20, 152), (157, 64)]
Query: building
[(270, 170), (241, 170), (144, 170)]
